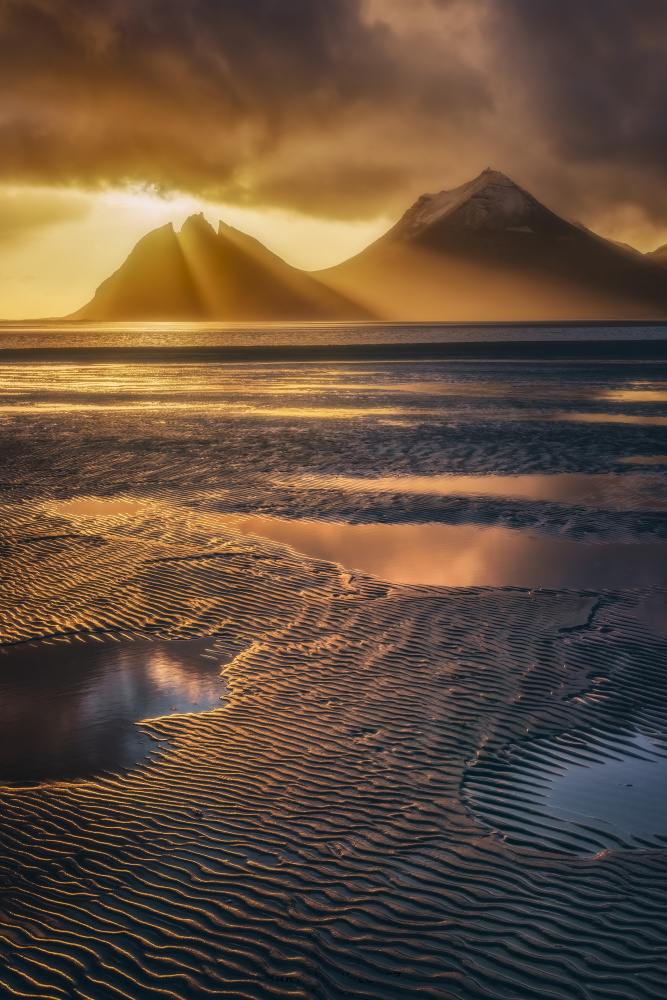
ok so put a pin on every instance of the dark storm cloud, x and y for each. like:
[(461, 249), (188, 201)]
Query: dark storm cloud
[(598, 70), (338, 107), (196, 94), (596, 76)]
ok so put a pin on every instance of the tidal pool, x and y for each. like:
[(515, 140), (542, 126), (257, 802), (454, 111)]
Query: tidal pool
[(69, 710), (101, 507), (607, 492), (588, 795), (448, 555)]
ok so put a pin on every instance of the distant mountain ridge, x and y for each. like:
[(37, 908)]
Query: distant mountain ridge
[(485, 251)]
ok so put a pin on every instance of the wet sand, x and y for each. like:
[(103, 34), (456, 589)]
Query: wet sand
[(423, 788)]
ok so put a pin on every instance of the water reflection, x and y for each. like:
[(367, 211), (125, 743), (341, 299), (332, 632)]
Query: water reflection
[(502, 390), (625, 795), (633, 395), (67, 385), (467, 556), (229, 409), (607, 491), (67, 710), (99, 507)]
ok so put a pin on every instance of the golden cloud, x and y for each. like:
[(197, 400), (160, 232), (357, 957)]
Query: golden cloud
[(341, 108)]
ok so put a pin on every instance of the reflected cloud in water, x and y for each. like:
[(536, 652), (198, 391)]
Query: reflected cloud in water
[(465, 555), (68, 710)]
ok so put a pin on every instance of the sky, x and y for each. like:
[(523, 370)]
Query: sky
[(312, 124)]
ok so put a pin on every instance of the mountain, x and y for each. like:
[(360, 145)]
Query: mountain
[(658, 256), (489, 251), (199, 274), (486, 251)]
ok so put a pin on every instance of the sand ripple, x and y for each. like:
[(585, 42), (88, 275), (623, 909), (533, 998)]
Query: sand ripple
[(312, 834), (316, 836)]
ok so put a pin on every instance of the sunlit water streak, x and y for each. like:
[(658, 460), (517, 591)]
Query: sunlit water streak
[(604, 491)]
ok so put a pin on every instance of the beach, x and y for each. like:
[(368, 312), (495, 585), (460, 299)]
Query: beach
[(380, 701)]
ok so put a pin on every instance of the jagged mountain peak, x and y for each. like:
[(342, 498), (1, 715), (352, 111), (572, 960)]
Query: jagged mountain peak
[(197, 222), (200, 274)]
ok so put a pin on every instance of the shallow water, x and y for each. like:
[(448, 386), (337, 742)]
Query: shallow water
[(585, 796), (69, 710), (165, 335), (604, 491), (100, 507), (625, 794), (444, 555)]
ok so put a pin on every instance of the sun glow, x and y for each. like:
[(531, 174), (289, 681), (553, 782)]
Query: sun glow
[(63, 243)]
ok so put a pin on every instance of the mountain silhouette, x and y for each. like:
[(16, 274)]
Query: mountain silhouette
[(198, 274), (489, 250), (486, 251)]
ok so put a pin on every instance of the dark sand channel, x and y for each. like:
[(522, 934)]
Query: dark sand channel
[(69, 710)]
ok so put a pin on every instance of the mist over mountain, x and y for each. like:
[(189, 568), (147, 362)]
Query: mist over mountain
[(198, 274), (485, 251)]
